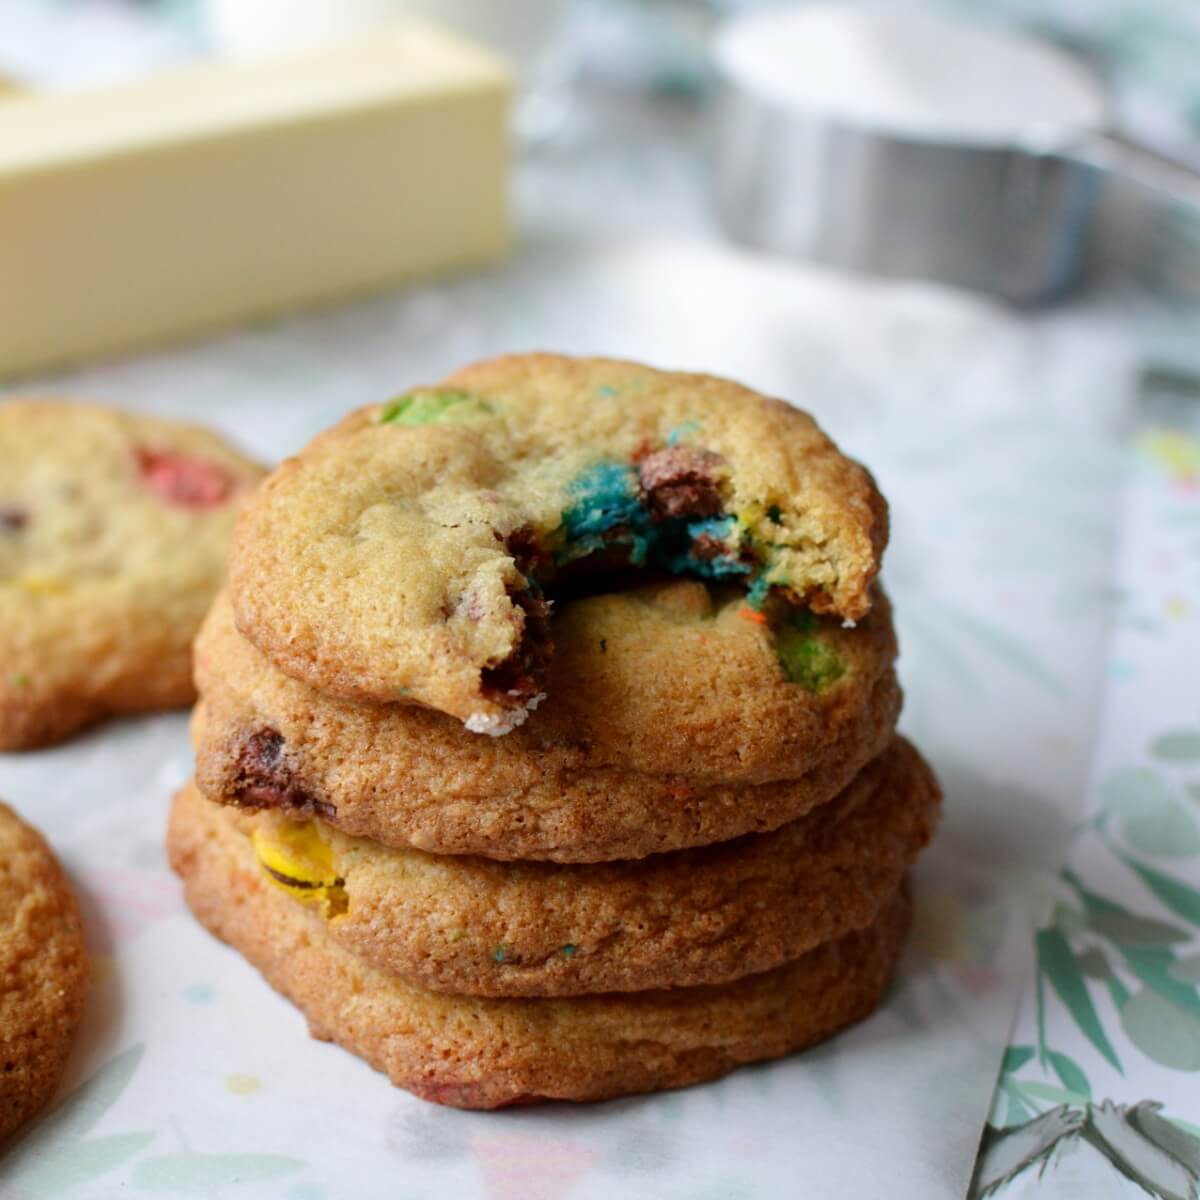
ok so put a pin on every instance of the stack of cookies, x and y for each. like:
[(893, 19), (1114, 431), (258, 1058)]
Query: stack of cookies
[(546, 745)]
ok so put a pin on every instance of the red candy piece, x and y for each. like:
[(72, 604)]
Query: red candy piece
[(182, 480)]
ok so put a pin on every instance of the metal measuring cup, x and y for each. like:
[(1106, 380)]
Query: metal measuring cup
[(1009, 217)]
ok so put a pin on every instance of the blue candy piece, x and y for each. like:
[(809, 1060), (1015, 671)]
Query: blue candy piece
[(681, 557), (756, 597), (606, 497)]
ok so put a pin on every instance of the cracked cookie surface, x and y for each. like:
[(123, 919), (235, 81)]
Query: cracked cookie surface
[(478, 927), (478, 1052), (407, 553), (113, 533)]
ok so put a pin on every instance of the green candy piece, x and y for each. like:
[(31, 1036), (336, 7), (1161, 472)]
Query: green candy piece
[(424, 408), (19, 680), (807, 659)]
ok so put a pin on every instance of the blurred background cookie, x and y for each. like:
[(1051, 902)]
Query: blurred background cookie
[(113, 530)]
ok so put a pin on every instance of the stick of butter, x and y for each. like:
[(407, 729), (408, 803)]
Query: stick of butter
[(215, 194)]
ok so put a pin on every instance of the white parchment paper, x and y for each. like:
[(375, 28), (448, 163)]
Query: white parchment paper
[(993, 438)]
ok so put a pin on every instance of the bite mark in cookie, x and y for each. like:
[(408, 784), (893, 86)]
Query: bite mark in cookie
[(440, 507), (518, 676), (656, 509)]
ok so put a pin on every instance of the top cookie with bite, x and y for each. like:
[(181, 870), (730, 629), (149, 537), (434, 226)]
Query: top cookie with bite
[(411, 552)]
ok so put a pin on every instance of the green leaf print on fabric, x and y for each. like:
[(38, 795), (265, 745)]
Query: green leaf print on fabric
[(1165, 1134), (1178, 745), (1181, 899), (1127, 929), (1104, 913), (1005, 1154), (1130, 789), (79, 1112), (1018, 1111), (57, 1155), (1068, 1070), (998, 642), (1162, 1031), (1034, 1091), (1015, 1057), (1136, 1156), (1069, 920), (1057, 962), (1093, 963), (72, 1165), (1187, 970), (1169, 831), (1119, 992), (1153, 968), (1152, 821), (189, 1174), (1143, 1147)]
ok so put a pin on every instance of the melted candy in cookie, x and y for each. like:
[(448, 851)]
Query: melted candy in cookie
[(183, 479)]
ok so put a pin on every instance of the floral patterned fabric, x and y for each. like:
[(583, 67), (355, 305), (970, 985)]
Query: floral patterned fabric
[(1101, 1085)]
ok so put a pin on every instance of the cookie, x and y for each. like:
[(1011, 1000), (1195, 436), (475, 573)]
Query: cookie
[(113, 533), (43, 972), (473, 1052), (478, 927), (409, 552), (670, 704)]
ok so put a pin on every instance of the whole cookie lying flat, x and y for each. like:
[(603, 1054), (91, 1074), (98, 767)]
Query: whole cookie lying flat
[(482, 928), (405, 553), (43, 972), (113, 532), (487, 1053), (669, 703)]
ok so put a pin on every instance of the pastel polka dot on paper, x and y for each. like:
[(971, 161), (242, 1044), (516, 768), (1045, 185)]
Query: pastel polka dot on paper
[(242, 1085), (199, 993), (1176, 607), (305, 1192)]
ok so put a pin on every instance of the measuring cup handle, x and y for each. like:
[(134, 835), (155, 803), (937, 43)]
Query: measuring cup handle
[(1170, 178), (1157, 236)]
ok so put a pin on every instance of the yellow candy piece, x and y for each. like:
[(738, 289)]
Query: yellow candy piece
[(42, 585), (298, 860)]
